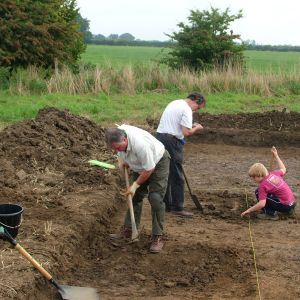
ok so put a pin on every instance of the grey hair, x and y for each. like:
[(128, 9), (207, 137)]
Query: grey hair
[(114, 135)]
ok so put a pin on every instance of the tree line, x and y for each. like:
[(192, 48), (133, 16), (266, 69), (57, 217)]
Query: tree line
[(281, 48), (48, 34)]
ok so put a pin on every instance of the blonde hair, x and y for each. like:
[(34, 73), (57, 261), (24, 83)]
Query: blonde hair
[(258, 170)]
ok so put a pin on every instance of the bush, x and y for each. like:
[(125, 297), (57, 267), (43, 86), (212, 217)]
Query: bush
[(4, 78), (294, 87)]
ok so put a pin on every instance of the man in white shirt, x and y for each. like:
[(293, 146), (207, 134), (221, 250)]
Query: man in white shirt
[(176, 123), (149, 162)]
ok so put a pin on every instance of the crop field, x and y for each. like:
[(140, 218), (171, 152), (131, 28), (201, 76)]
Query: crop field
[(122, 55), (260, 61)]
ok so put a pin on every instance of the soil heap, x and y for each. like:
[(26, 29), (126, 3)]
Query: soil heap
[(44, 168)]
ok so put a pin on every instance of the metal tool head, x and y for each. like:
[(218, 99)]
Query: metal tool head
[(2, 233), (77, 293), (196, 202)]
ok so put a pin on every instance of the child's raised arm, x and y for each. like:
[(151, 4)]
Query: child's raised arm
[(279, 161)]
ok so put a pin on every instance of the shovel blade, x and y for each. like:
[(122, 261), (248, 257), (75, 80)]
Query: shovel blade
[(77, 293), (197, 203)]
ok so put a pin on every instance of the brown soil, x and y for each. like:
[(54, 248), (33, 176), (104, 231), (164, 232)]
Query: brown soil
[(71, 207)]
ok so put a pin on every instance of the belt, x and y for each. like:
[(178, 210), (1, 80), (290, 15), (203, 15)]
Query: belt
[(181, 141)]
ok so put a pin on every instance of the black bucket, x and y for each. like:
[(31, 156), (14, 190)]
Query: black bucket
[(10, 218)]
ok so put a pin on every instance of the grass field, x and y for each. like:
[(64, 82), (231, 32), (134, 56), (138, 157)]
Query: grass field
[(121, 55), (273, 61), (261, 61), (131, 96), (118, 108)]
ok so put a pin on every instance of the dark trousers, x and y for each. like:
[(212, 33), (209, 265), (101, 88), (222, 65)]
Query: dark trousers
[(174, 198), (273, 204)]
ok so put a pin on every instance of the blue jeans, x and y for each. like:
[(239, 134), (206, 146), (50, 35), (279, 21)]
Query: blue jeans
[(273, 204)]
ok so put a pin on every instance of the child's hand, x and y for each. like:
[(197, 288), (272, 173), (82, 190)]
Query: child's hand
[(246, 212), (274, 151)]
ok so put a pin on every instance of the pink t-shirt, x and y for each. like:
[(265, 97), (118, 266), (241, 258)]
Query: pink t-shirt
[(275, 184)]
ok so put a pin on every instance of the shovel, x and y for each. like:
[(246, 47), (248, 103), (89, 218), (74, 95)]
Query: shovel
[(134, 232), (194, 197), (66, 292)]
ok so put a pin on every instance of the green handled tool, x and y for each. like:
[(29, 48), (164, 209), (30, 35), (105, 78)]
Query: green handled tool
[(97, 163)]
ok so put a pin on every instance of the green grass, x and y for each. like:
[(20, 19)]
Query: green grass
[(261, 61), (121, 55), (118, 108), (273, 61)]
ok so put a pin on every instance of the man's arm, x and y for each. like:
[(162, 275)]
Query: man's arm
[(190, 131), (143, 177)]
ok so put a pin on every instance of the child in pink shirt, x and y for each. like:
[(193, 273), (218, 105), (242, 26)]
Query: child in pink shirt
[(273, 193)]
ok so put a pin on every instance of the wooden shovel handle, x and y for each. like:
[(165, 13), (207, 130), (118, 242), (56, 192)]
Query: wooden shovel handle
[(130, 206), (187, 181), (194, 197), (26, 255)]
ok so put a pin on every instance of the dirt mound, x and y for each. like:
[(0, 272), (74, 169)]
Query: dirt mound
[(256, 129), (246, 129), (51, 150), (272, 121), (70, 209), (44, 168)]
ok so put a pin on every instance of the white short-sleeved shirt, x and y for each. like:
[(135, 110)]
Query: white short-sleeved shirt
[(143, 152), (177, 114)]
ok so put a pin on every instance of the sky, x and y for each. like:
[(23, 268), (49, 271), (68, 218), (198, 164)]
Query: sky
[(274, 22)]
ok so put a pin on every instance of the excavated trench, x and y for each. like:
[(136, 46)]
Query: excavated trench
[(71, 207)]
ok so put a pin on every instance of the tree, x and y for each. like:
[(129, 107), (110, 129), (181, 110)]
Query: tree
[(205, 42), (113, 36), (39, 33), (126, 37), (99, 37), (84, 28)]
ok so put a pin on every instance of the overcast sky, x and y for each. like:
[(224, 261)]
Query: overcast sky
[(265, 21)]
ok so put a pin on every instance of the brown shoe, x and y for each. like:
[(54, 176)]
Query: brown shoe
[(183, 213), (124, 233), (157, 244)]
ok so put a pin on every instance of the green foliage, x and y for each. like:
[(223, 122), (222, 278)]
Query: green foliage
[(39, 33), (127, 37), (84, 28), (280, 48), (205, 42), (290, 87), (4, 78), (27, 81)]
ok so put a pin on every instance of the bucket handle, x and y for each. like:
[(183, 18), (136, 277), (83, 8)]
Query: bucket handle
[(13, 227)]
